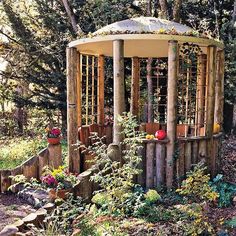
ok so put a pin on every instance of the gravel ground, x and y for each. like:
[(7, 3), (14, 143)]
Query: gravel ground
[(12, 208)]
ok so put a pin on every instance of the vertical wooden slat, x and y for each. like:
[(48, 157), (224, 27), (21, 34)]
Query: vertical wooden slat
[(79, 88), (119, 87), (195, 152), (100, 91), (160, 164), (200, 98), (202, 151), (134, 107), (187, 156), (72, 120), (141, 178), (180, 163), (150, 165), (171, 109)]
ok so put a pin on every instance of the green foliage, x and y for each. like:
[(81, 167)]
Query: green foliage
[(225, 190), (152, 196), (231, 223), (193, 220), (116, 180), (64, 215), (196, 187), (19, 150)]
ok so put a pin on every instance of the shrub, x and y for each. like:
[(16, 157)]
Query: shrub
[(114, 178), (197, 187), (225, 190)]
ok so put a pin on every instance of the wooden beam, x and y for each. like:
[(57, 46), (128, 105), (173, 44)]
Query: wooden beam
[(173, 59), (134, 107), (119, 87), (219, 95), (79, 88), (100, 91), (72, 120)]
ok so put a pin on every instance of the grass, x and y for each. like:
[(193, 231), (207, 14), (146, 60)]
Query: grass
[(15, 151)]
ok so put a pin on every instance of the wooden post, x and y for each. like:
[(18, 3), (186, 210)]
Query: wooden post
[(87, 91), (160, 164), (150, 164), (72, 120), (219, 96), (171, 109), (211, 78), (134, 108), (54, 155), (100, 91), (200, 96), (180, 163), (187, 156), (79, 88), (119, 89)]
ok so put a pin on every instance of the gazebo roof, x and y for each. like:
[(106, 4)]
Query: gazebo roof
[(142, 25), (143, 37)]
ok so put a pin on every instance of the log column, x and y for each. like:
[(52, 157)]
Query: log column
[(200, 96), (119, 89), (211, 82), (79, 88), (72, 115), (171, 109), (100, 91), (219, 96), (134, 108)]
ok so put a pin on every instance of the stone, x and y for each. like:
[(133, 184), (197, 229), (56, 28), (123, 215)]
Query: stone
[(9, 230), (35, 197)]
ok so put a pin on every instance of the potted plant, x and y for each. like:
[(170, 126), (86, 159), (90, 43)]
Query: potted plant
[(59, 181), (53, 135)]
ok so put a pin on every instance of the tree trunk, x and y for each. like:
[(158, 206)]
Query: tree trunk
[(164, 9), (71, 16), (176, 10), (149, 8)]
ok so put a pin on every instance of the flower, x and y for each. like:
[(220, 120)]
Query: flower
[(53, 132), (49, 180)]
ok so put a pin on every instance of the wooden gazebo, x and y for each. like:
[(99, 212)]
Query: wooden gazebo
[(186, 71)]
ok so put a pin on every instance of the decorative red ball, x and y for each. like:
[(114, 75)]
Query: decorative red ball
[(160, 134)]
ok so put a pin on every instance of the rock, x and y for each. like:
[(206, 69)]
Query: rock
[(30, 219), (35, 197), (9, 230), (49, 207), (76, 232), (234, 201), (19, 224)]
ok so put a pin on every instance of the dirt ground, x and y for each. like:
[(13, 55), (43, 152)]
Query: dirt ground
[(12, 209)]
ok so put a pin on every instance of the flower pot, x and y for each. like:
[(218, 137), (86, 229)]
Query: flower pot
[(54, 140), (61, 193)]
